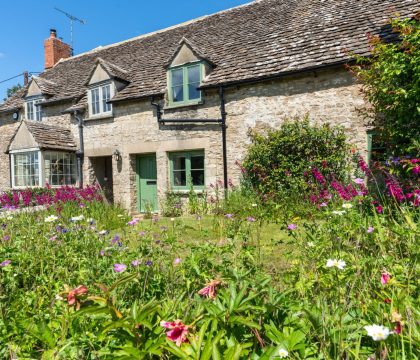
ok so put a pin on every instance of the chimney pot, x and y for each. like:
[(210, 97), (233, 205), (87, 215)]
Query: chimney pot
[(53, 33)]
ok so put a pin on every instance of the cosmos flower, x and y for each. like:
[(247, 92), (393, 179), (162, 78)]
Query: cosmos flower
[(5, 263), (178, 331), (119, 267), (283, 353), (370, 229), (135, 263), (339, 264), (51, 218), (377, 332), (358, 181)]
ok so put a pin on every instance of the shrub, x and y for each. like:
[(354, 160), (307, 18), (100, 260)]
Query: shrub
[(276, 162)]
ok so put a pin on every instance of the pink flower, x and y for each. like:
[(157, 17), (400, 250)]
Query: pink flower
[(251, 219), (5, 263), (398, 328), (135, 263), (210, 289), (370, 229), (178, 331), (177, 261), (120, 267), (385, 277), (292, 226), (73, 296), (379, 209), (133, 222), (359, 181)]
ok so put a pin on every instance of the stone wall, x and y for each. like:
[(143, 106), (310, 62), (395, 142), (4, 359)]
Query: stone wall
[(325, 96)]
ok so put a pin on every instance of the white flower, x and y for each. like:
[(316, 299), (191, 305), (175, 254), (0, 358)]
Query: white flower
[(103, 232), (347, 206), (339, 212), (77, 218), (51, 218), (339, 264), (311, 244), (120, 215), (377, 332), (172, 219), (254, 205), (9, 218), (283, 353), (58, 297)]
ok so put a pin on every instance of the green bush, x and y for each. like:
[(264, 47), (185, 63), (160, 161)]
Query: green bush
[(276, 162)]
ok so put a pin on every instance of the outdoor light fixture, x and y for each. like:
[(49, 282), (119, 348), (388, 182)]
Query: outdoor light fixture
[(117, 155)]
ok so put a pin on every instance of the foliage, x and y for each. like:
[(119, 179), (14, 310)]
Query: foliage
[(172, 204), (106, 286), (275, 163), (10, 91), (391, 83)]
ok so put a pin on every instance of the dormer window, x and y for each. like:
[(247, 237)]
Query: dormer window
[(183, 84), (98, 100), (32, 110)]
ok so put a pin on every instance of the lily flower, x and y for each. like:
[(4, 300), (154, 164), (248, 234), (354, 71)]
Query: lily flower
[(210, 289), (178, 331)]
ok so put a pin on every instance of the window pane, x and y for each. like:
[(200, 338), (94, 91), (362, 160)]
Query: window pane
[(193, 74), (30, 110), (193, 92), (95, 101), (178, 93), (106, 95), (179, 163), (177, 77), (38, 111), (197, 162), (26, 169), (197, 177), (180, 178), (60, 168)]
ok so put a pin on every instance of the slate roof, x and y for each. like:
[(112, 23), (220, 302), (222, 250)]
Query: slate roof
[(251, 42), (50, 137)]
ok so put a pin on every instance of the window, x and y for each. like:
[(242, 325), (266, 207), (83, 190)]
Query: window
[(98, 100), (33, 111), (184, 82), (60, 168), (187, 170), (26, 169), (376, 147)]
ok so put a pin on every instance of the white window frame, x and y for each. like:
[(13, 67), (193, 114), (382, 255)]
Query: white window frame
[(36, 114), (12, 166), (102, 104), (59, 154)]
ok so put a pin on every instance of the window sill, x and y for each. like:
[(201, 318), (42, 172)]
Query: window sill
[(183, 105), (186, 192), (100, 117)]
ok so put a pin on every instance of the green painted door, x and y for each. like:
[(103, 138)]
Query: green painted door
[(147, 183)]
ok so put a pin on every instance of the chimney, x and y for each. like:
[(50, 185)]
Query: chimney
[(55, 49)]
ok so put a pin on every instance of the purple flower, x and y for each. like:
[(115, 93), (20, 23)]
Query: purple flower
[(292, 226), (359, 181), (142, 233), (133, 222), (115, 239), (229, 216), (6, 237), (102, 252), (120, 267), (135, 263), (177, 261), (163, 228), (251, 219), (370, 229), (5, 263), (149, 262), (324, 204)]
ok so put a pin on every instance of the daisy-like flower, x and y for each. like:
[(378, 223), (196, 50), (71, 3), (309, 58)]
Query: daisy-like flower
[(377, 332), (51, 218), (339, 212), (283, 353), (339, 264), (135, 263), (254, 205), (119, 267), (310, 244), (347, 206), (229, 216), (103, 232), (370, 229), (77, 218), (178, 331)]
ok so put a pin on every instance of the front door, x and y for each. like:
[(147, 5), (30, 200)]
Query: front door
[(147, 183)]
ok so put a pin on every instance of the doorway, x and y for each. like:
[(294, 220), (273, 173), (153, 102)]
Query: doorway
[(147, 200), (102, 169)]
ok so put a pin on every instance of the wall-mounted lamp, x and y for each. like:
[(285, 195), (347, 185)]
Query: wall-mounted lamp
[(117, 155)]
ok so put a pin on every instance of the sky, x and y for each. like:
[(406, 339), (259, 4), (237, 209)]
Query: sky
[(25, 24)]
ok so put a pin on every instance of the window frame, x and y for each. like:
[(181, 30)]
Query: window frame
[(44, 168), (13, 167), (188, 154), (185, 84), (37, 114), (100, 86)]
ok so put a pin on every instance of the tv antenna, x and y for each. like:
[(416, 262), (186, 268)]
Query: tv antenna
[(72, 19)]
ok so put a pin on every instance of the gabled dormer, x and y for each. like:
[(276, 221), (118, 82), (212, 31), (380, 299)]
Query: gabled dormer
[(185, 72), (104, 81), (39, 89)]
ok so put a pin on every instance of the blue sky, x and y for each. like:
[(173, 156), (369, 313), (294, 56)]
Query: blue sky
[(25, 24)]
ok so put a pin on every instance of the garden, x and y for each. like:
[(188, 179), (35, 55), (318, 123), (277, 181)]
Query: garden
[(314, 255)]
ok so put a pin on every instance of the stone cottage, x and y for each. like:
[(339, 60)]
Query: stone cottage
[(170, 110)]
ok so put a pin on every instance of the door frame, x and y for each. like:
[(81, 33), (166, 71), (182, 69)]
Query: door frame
[(138, 159)]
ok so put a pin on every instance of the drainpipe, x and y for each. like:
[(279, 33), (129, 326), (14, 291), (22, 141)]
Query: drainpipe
[(80, 153)]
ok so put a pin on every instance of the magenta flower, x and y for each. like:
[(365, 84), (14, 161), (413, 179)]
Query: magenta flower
[(119, 267), (178, 331), (385, 277), (292, 226), (5, 263), (370, 229), (210, 290), (379, 209)]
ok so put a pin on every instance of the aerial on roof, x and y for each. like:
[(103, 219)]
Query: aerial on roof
[(262, 39)]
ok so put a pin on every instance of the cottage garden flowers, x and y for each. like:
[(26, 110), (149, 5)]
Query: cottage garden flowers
[(246, 282)]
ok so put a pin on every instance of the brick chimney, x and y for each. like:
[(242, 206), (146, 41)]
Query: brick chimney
[(55, 49)]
